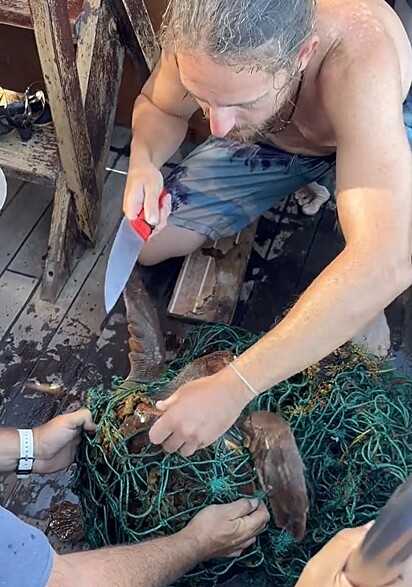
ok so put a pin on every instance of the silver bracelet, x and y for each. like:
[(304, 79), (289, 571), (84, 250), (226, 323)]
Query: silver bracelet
[(248, 385)]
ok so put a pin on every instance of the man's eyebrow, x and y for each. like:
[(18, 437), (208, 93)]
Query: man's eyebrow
[(239, 104)]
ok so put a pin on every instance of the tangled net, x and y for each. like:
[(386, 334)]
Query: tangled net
[(351, 417)]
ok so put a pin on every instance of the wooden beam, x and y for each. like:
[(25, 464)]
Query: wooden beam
[(100, 57), (57, 57), (17, 12), (137, 30)]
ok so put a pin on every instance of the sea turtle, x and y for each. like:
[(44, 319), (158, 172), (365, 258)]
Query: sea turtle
[(266, 435)]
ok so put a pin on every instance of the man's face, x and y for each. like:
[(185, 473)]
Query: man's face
[(241, 105)]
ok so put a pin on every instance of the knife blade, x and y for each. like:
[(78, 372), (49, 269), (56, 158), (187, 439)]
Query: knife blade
[(381, 557), (129, 241)]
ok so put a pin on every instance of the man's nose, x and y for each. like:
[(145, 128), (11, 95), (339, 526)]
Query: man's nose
[(221, 121)]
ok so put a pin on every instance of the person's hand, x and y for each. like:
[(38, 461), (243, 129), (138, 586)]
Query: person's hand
[(56, 442), (327, 567), (227, 530), (196, 415), (143, 188)]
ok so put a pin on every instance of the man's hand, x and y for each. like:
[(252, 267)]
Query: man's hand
[(197, 414), (55, 443), (143, 188), (226, 530), (327, 567)]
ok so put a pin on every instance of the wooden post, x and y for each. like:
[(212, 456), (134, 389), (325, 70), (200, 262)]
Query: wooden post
[(57, 56), (137, 30)]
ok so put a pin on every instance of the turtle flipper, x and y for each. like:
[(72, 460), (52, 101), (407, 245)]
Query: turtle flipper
[(279, 468), (146, 342)]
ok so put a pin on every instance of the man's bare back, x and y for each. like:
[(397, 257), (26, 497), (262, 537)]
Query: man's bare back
[(346, 29)]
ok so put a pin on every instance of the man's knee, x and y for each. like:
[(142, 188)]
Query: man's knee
[(172, 241)]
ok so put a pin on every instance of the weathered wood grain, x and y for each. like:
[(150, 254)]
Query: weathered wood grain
[(30, 258), (58, 61), (13, 187), (100, 56), (15, 290), (210, 279), (137, 30), (17, 12), (36, 161), (19, 218)]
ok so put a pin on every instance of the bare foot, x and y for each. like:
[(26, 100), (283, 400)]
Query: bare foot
[(375, 336), (311, 198)]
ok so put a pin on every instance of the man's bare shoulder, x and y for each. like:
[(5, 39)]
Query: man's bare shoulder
[(359, 36)]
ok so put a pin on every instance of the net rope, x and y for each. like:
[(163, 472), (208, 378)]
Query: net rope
[(351, 417)]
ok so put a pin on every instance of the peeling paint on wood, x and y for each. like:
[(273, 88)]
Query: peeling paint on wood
[(17, 12), (57, 57)]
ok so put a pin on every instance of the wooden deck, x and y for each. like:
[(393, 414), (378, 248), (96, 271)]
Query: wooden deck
[(71, 345)]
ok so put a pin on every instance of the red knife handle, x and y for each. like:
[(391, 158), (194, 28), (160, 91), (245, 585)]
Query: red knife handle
[(141, 226)]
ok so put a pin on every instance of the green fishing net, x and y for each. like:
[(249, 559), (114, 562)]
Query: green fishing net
[(351, 417)]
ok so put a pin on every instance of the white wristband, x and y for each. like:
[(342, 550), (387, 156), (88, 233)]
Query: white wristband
[(25, 464)]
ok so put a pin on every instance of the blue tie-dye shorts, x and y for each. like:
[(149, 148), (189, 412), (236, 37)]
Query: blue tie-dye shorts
[(223, 186)]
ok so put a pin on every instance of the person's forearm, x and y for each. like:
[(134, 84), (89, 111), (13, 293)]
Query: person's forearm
[(155, 563), (9, 450), (347, 295), (156, 136)]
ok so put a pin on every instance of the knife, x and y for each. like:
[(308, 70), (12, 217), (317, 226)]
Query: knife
[(129, 241), (381, 557)]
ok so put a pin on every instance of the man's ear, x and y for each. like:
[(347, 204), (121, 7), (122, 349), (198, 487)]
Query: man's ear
[(307, 50)]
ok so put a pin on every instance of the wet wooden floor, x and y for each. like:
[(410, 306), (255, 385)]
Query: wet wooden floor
[(71, 345)]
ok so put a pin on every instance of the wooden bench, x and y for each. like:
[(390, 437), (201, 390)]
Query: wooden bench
[(210, 281), (81, 50)]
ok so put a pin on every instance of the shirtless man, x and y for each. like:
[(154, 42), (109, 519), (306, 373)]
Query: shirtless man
[(290, 90)]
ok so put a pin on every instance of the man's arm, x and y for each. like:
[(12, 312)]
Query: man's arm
[(160, 116), (152, 564), (9, 450), (363, 99), (217, 531), (160, 120)]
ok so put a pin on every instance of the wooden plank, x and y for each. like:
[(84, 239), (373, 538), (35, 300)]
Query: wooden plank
[(100, 57), (137, 30), (65, 356), (15, 290), (30, 336), (17, 12), (36, 161), (30, 259), (18, 220), (57, 57), (13, 187), (327, 243), (278, 258), (210, 280), (66, 242)]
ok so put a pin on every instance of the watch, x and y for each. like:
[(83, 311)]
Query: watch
[(26, 459)]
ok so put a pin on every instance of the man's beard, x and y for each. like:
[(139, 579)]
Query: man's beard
[(248, 133), (252, 133)]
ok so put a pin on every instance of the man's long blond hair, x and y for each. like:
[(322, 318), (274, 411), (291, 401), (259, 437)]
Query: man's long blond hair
[(248, 34)]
